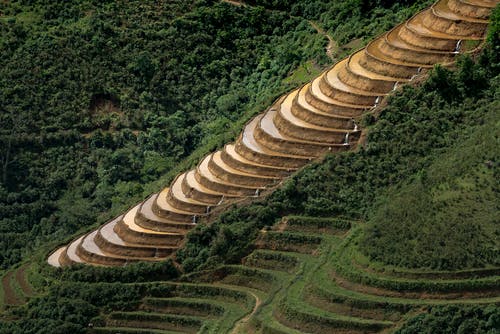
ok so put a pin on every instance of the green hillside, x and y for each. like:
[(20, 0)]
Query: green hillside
[(446, 137), (446, 216), (103, 103), (401, 235)]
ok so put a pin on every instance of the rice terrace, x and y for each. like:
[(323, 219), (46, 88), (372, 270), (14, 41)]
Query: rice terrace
[(261, 166)]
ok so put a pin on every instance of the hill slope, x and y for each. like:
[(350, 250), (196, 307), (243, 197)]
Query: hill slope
[(304, 124), (311, 274)]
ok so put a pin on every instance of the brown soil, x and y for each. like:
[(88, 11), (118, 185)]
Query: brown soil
[(429, 275), (314, 328), (282, 225), (22, 280), (413, 295), (10, 295), (351, 311)]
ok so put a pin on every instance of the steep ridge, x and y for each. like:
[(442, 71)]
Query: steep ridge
[(320, 117)]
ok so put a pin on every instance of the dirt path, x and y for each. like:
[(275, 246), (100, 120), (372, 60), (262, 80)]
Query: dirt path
[(332, 46), (243, 321), (22, 280), (10, 296)]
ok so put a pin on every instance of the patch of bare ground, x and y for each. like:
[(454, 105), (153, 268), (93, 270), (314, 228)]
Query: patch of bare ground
[(351, 311), (10, 295), (104, 104), (23, 281)]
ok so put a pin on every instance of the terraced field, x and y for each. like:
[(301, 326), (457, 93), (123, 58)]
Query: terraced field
[(304, 276), (16, 288), (184, 307), (319, 117)]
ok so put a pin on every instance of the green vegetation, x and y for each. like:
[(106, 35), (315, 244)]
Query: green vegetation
[(447, 216), (103, 103), (101, 99), (348, 20), (453, 319), (98, 104), (314, 224), (452, 114)]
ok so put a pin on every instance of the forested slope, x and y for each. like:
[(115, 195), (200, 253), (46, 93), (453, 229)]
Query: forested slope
[(100, 100), (444, 151)]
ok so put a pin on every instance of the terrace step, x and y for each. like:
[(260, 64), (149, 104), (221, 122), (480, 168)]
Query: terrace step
[(53, 259), (235, 160), (307, 225), (163, 208), (148, 219), (333, 87), (182, 201), (311, 114), (289, 242), (377, 61), (394, 46), (290, 125), (132, 233), (414, 32), (206, 178), (111, 243), (195, 190), (253, 278), (155, 321), (248, 147), (69, 256), (363, 299), (183, 306), (89, 252), (320, 100), (274, 260), (472, 9), (355, 75), (268, 135), (308, 318), (444, 19), (128, 330), (220, 169)]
